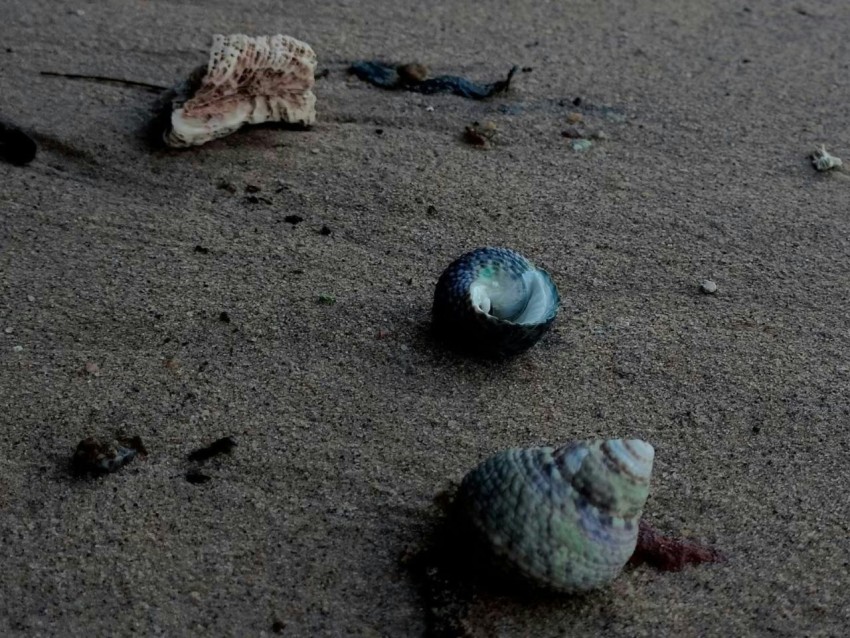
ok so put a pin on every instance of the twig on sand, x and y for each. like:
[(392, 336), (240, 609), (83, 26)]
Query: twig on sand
[(105, 79)]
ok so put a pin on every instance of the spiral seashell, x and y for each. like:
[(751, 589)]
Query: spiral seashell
[(495, 302), (248, 80), (566, 518)]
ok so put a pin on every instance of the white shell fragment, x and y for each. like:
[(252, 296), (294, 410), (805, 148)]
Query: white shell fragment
[(564, 518), (708, 287), (248, 80), (823, 161)]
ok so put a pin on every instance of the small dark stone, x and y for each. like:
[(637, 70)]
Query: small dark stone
[(577, 101), (196, 477), (322, 74), (573, 133), (278, 626), (473, 137), (201, 249), (224, 185), (379, 131), (325, 231), (223, 445), (756, 429), (293, 219), (252, 188), (745, 60), (224, 317), (527, 69), (16, 147), (432, 210), (252, 199), (8, 49)]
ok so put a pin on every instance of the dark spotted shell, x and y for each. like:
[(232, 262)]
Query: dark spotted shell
[(494, 302), (566, 518)]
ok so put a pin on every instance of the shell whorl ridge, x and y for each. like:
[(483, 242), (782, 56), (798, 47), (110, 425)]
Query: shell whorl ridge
[(564, 518), (248, 80), (494, 301)]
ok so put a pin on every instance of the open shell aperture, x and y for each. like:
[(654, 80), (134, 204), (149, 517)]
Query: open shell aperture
[(248, 80), (565, 518), (495, 302)]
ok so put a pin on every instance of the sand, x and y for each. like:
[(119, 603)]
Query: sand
[(349, 418)]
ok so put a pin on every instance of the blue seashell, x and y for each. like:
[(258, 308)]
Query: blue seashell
[(565, 518), (494, 302)]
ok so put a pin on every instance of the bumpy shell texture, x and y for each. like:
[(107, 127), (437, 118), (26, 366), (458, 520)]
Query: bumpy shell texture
[(566, 518), (494, 302), (248, 80)]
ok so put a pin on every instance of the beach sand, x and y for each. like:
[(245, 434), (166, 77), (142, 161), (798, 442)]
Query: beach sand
[(349, 418)]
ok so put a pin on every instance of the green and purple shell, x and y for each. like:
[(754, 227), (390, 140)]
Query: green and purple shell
[(494, 302), (564, 518)]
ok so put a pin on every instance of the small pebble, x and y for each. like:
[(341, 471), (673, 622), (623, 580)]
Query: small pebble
[(8, 330), (708, 287), (30, 298), (823, 161), (413, 73), (581, 145), (574, 118), (325, 231), (18, 349), (326, 300), (293, 219), (572, 132), (224, 317)]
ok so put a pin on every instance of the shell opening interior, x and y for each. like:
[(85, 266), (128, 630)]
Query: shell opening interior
[(526, 300)]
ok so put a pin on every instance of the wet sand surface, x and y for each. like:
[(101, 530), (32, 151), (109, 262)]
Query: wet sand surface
[(349, 418)]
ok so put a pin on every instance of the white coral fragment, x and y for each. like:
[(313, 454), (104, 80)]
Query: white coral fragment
[(248, 80), (823, 161)]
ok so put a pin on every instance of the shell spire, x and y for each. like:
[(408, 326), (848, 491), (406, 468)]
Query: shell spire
[(564, 518)]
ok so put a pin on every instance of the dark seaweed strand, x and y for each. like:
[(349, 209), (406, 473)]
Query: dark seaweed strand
[(463, 87), (377, 73), (386, 76)]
